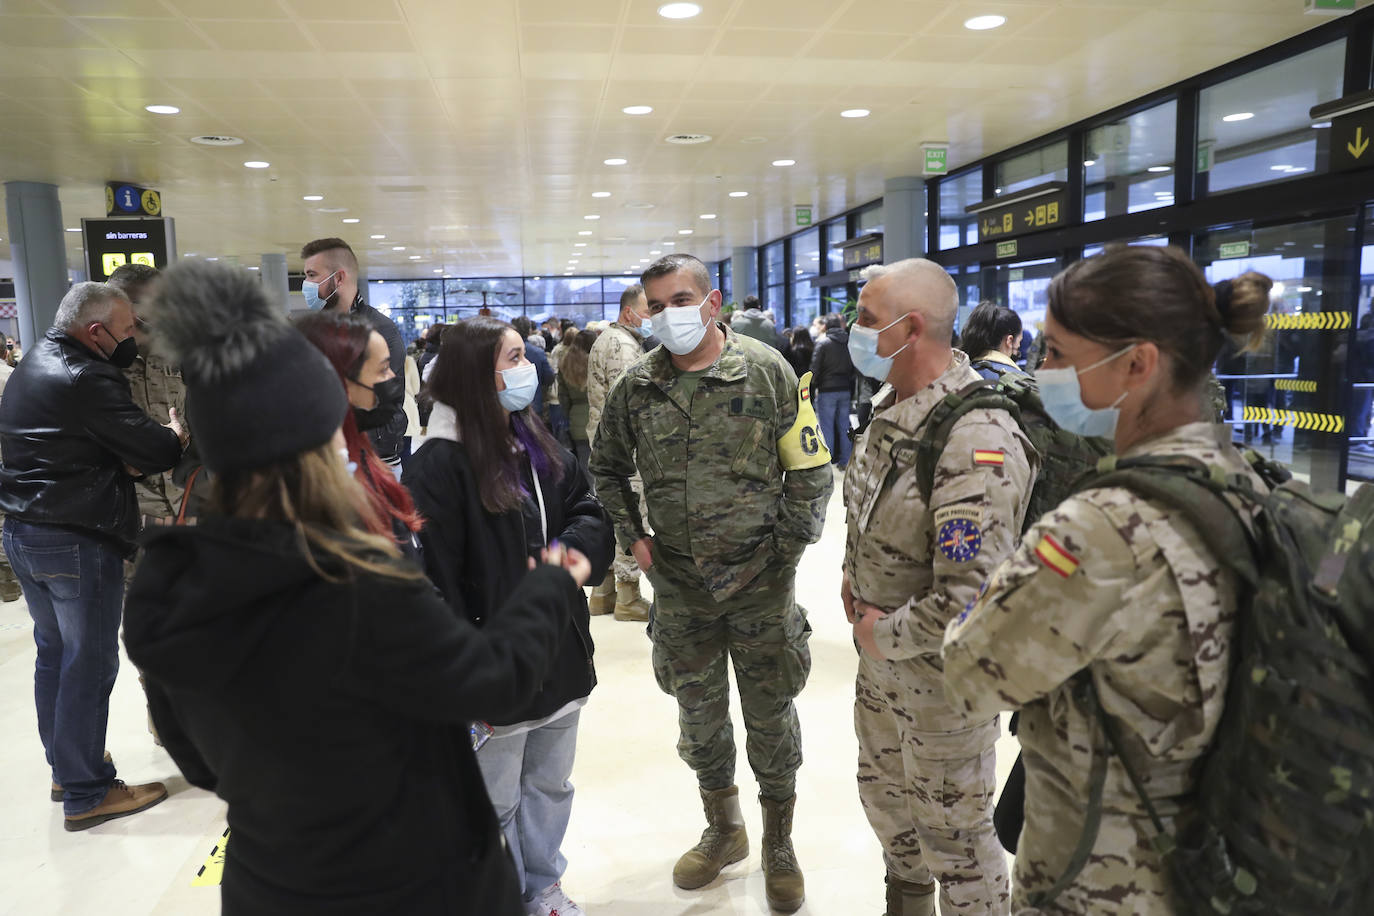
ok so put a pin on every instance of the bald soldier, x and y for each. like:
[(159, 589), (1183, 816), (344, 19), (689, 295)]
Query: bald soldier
[(926, 771), (736, 478)]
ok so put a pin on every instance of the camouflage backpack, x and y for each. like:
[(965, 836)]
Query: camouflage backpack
[(1065, 457), (1286, 792)]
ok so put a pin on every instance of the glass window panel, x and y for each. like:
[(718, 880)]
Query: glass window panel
[(772, 297), (1129, 163), (1255, 129), (806, 253), (835, 233), (1048, 163), (956, 193), (563, 291), (1310, 263), (1156, 240), (835, 299), (774, 268), (1358, 425), (870, 219), (727, 280), (505, 296), (1027, 289), (806, 303)]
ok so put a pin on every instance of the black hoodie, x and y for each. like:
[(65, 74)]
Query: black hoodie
[(333, 718)]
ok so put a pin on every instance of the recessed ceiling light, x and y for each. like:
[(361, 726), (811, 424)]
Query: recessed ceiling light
[(256, 164), (313, 197), (644, 260), (739, 193), (629, 271), (688, 139), (615, 161), (567, 273), (669, 244), (579, 244), (783, 163), (217, 140), (252, 268), (656, 251), (415, 257), (753, 140), (684, 232), (584, 232), (679, 10), (601, 193), (637, 109), (72, 229), (1090, 162), (162, 109), (592, 216), (855, 113), (1238, 116), (379, 236), (708, 216), (438, 270), (353, 219), (1158, 168), (331, 209), (398, 248), (983, 23), (212, 259)]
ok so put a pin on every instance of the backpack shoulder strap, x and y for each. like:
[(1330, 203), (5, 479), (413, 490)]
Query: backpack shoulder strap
[(940, 425), (1197, 492)]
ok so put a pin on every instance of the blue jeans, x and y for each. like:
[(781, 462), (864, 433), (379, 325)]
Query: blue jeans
[(527, 779), (74, 586), (833, 409)]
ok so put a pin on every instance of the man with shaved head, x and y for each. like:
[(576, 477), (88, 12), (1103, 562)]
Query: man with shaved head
[(331, 285), (912, 562)]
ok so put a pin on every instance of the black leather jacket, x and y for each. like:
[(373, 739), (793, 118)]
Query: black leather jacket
[(831, 367), (68, 426)]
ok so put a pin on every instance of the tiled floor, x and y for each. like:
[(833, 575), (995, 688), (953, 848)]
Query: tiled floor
[(636, 808)]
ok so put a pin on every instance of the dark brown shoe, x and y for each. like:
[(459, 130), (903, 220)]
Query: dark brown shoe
[(120, 801), (57, 789)]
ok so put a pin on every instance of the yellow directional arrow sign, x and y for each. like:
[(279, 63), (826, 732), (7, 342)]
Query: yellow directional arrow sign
[(1359, 145)]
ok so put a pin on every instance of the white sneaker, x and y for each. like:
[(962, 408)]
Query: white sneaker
[(553, 902)]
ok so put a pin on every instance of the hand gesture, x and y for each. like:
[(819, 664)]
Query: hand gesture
[(175, 426)]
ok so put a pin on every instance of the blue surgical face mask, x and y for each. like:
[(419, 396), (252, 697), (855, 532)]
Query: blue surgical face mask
[(311, 290), (1063, 400), (522, 383), (681, 328), (645, 330), (863, 351)]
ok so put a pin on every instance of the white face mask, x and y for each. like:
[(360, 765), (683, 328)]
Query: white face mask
[(522, 384), (863, 351), (1063, 400), (681, 328)]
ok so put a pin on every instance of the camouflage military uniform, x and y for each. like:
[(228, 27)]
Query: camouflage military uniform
[(927, 775), (1110, 583), (730, 523), (157, 388), (618, 348)]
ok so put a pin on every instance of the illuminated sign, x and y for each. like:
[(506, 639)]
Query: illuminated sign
[(863, 251), (111, 243), (1032, 210), (123, 199)]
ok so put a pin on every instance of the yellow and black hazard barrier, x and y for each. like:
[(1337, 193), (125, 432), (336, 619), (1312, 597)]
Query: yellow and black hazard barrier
[(1307, 386), (1298, 419), (1308, 321)]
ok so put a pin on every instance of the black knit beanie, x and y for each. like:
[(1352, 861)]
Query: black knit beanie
[(257, 390)]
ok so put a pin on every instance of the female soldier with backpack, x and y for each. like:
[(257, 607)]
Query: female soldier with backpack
[(992, 340), (1116, 586)]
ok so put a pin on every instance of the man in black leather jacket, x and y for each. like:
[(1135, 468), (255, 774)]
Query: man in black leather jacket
[(332, 266), (72, 442)]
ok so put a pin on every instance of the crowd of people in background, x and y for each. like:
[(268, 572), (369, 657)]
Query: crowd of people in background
[(367, 624)]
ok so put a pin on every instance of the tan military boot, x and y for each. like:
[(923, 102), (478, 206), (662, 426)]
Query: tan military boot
[(905, 898), (722, 842), (629, 604), (603, 596), (782, 877)]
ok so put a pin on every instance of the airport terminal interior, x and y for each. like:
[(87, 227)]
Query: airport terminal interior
[(533, 157)]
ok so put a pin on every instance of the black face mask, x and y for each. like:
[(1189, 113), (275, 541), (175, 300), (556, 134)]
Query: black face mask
[(124, 353), (389, 394)]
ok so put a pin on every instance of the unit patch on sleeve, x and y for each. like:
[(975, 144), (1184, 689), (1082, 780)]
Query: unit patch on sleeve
[(959, 532), (989, 456), (1054, 556)]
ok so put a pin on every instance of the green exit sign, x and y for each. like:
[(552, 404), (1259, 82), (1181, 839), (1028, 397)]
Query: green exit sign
[(1006, 249), (937, 160), (803, 215), (1235, 250), (1329, 7)]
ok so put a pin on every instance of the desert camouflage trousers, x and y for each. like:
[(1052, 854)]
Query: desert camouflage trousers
[(927, 781)]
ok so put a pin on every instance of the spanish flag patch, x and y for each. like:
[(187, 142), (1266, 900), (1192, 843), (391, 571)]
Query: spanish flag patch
[(1055, 557), (989, 456)]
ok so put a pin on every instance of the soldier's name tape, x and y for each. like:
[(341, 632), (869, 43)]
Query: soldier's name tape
[(1308, 321), (211, 874), (1299, 419), (1296, 384)]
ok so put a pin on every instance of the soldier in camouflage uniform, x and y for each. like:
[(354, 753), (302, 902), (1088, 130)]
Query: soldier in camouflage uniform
[(927, 772), (735, 491), (618, 347), (1110, 583), (157, 388)]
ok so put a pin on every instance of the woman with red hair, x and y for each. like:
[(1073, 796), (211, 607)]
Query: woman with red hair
[(361, 358)]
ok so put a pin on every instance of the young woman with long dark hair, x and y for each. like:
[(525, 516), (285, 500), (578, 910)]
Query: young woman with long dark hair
[(495, 489), (572, 390), (299, 666), (360, 357), (992, 340)]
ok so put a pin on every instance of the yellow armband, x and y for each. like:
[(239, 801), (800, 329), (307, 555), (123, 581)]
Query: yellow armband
[(802, 447)]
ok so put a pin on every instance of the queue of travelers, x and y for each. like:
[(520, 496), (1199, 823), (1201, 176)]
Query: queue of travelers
[(422, 637)]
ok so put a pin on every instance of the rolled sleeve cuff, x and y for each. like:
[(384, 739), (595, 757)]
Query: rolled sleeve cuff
[(892, 634)]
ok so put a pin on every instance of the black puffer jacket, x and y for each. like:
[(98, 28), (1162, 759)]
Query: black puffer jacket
[(477, 558), (68, 427), (332, 717), (831, 367)]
